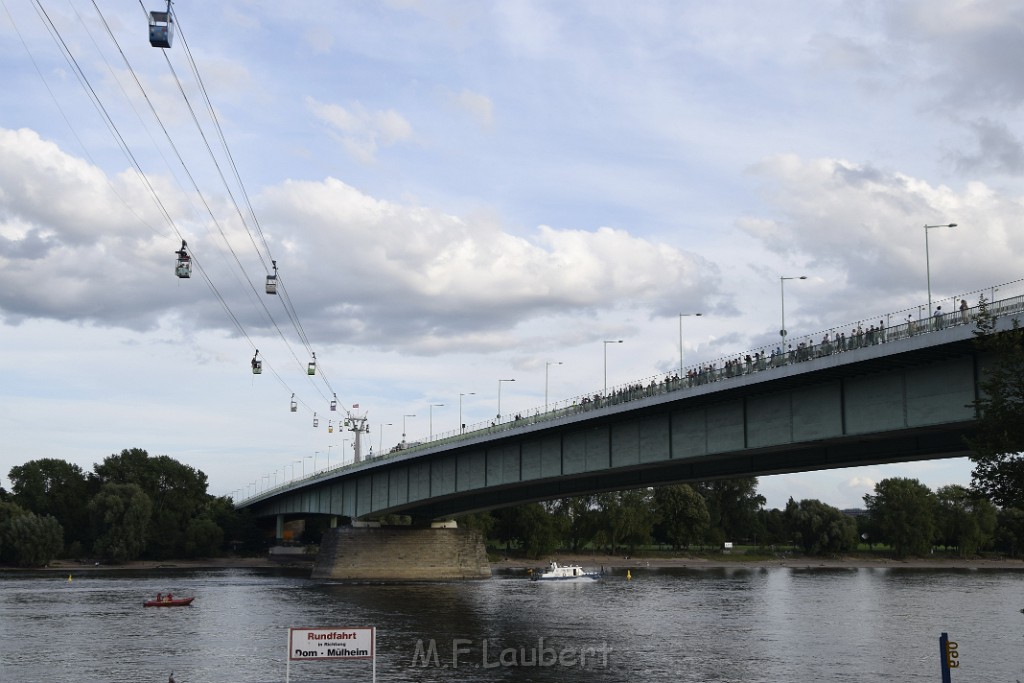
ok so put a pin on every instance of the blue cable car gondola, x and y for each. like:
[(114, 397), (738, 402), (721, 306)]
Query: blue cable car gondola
[(161, 27), (184, 267)]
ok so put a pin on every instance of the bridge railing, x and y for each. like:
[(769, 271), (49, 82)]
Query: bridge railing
[(801, 349)]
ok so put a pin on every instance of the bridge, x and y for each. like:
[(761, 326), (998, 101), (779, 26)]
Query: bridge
[(891, 393)]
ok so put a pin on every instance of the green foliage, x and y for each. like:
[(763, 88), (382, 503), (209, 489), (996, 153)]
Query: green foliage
[(683, 513), (733, 505), (626, 518), (904, 511), (203, 538), (999, 439), (177, 493), (1010, 531), (121, 515), (54, 487), (819, 528), (32, 540), (580, 519), (966, 520)]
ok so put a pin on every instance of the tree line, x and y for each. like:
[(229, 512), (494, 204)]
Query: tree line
[(128, 507), (903, 516)]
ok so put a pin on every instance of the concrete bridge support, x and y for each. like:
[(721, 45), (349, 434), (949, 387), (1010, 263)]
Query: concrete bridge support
[(401, 554)]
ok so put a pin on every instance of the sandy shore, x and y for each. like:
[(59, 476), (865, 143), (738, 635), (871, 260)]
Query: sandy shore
[(588, 561)]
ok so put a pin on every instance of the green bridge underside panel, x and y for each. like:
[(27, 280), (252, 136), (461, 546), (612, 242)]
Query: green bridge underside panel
[(899, 414)]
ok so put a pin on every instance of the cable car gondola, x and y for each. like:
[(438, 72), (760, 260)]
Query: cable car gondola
[(272, 280), (257, 364), (330, 427), (161, 27), (334, 403), (311, 370), (316, 422), (184, 267), (294, 406)]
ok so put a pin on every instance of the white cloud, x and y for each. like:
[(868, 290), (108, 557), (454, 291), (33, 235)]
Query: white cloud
[(479, 106), (361, 131)]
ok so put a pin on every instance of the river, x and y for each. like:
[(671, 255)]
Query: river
[(662, 626)]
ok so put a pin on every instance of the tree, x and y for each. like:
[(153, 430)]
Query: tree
[(203, 538), (819, 528), (578, 517), (177, 493), (683, 513), (121, 515), (626, 517), (33, 540), (904, 511), (733, 505), (8, 512), (1010, 531), (966, 521), (54, 487), (999, 438)]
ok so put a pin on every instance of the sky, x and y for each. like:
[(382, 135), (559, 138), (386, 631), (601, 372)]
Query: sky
[(457, 193)]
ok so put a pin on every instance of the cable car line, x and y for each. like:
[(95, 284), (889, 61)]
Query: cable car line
[(122, 143)]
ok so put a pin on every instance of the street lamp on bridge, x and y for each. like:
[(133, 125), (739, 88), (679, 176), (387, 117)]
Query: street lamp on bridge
[(462, 427), (403, 426), (681, 316), (547, 365), (499, 395), (782, 288), (927, 261), (431, 418), (606, 343)]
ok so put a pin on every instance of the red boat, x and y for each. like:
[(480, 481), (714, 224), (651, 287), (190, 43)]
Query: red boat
[(168, 601)]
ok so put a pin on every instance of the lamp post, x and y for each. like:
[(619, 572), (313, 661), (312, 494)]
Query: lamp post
[(403, 426), (296, 462), (315, 453), (782, 289), (329, 447), (681, 316), (499, 395), (380, 446), (462, 427), (927, 260), (432, 406), (606, 343), (547, 365)]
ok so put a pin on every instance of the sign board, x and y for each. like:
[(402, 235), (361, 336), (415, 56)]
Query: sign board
[(330, 643)]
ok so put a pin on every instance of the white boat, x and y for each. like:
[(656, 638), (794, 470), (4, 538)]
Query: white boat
[(570, 572)]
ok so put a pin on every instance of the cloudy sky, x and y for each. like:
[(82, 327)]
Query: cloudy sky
[(458, 192)]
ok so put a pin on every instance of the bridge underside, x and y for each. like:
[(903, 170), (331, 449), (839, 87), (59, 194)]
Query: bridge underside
[(901, 408)]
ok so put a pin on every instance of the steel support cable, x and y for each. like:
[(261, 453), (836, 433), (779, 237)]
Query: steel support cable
[(102, 110), (71, 127), (126, 150)]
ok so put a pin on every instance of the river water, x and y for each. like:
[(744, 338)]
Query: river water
[(662, 626)]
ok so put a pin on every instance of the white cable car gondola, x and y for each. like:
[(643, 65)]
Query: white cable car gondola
[(184, 267), (257, 364), (316, 422), (294, 406), (311, 370), (161, 27), (334, 403), (272, 280)]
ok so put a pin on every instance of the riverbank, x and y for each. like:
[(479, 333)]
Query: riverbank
[(586, 560)]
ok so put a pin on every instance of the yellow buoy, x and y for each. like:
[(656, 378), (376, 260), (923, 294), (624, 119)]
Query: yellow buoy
[(69, 578), (629, 577)]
